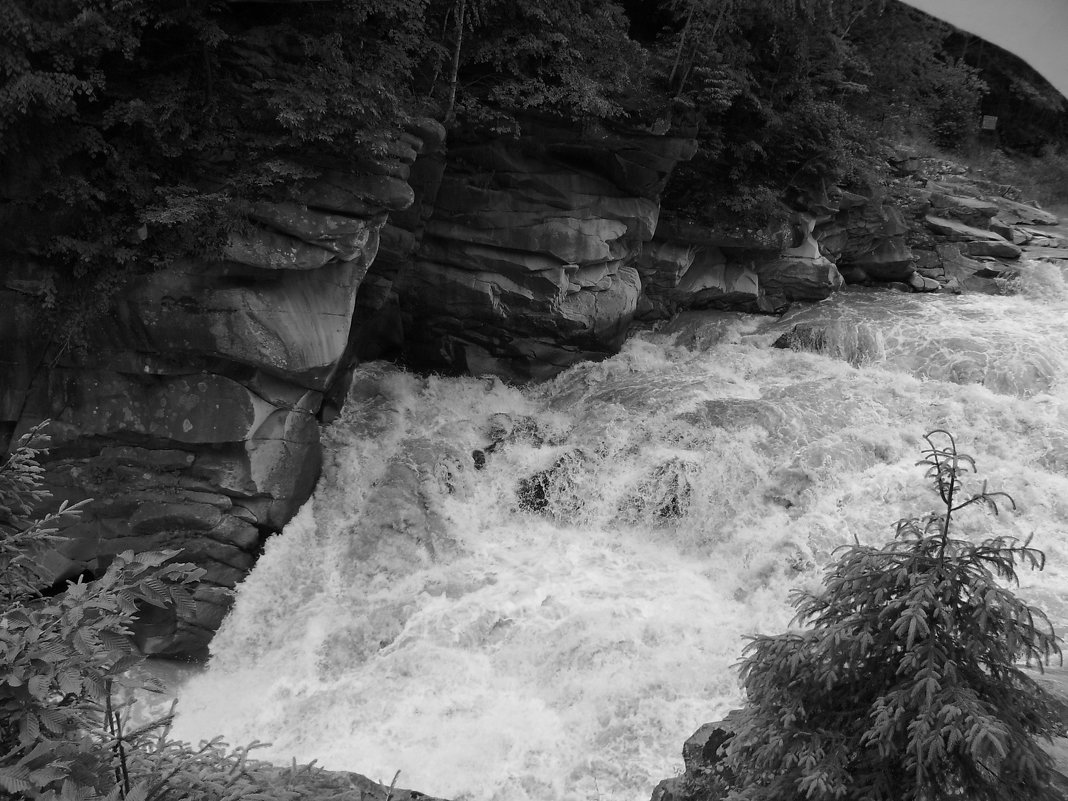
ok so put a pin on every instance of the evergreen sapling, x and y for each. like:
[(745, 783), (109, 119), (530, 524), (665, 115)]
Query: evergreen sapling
[(907, 681)]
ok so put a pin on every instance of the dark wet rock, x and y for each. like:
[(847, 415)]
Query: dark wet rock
[(706, 776), (922, 283), (956, 231), (550, 490), (803, 337), (799, 277), (1001, 250), (966, 274), (664, 494), (677, 275)]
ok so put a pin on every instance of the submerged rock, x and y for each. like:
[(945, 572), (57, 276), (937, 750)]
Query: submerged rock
[(663, 495), (551, 490)]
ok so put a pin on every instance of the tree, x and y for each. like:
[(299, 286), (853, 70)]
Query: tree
[(907, 683), (572, 59), (917, 84)]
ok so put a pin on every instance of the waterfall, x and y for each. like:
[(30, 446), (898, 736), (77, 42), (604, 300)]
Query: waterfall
[(555, 624)]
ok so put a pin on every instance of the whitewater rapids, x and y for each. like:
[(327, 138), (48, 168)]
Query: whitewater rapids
[(496, 636)]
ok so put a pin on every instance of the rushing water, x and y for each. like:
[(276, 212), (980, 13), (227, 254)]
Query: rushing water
[(496, 637)]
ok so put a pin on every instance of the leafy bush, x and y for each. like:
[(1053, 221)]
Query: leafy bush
[(65, 657), (906, 684), (1043, 178), (64, 654)]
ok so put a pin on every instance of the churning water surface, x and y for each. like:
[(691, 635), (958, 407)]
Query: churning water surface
[(555, 624)]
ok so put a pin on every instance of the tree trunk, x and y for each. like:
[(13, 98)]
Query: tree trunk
[(682, 43), (450, 109)]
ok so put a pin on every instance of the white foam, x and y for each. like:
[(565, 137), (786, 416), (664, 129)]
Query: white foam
[(415, 616)]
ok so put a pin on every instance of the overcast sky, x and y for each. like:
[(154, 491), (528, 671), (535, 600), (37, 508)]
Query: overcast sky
[(1036, 30)]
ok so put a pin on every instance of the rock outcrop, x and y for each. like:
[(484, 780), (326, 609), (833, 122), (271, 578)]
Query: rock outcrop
[(526, 264), (801, 272), (692, 265), (866, 238), (191, 415), (968, 234)]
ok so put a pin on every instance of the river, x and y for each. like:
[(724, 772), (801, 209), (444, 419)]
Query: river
[(496, 636)]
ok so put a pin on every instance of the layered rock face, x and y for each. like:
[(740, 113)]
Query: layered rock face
[(966, 233), (691, 265), (867, 238), (527, 262), (191, 416), (704, 266)]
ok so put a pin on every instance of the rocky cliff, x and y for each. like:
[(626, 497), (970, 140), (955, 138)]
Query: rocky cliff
[(527, 263), (192, 415)]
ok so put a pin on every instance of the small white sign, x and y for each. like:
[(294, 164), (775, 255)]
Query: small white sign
[(989, 123)]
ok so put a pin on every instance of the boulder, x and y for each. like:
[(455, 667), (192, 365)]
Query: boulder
[(344, 193), (974, 211), (956, 231), (964, 274), (271, 250), (799, 277), (1016, 213), (1008, 231), (867, 241), (519, 328), (921, 283), (711, 284), (678, 276), (347, 237), (1001, 250), (706, 777)]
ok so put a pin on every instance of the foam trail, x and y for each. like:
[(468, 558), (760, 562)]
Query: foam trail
[(554, 625)]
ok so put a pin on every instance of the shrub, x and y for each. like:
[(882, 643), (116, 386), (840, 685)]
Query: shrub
[(906, 684), (64, 653)]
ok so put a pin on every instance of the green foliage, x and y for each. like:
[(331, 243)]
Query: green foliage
[(906, 683), (915, 83), (137, 132), (65, 731), (770, 83), (63, 654), (572, 59), (1043, 177)]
